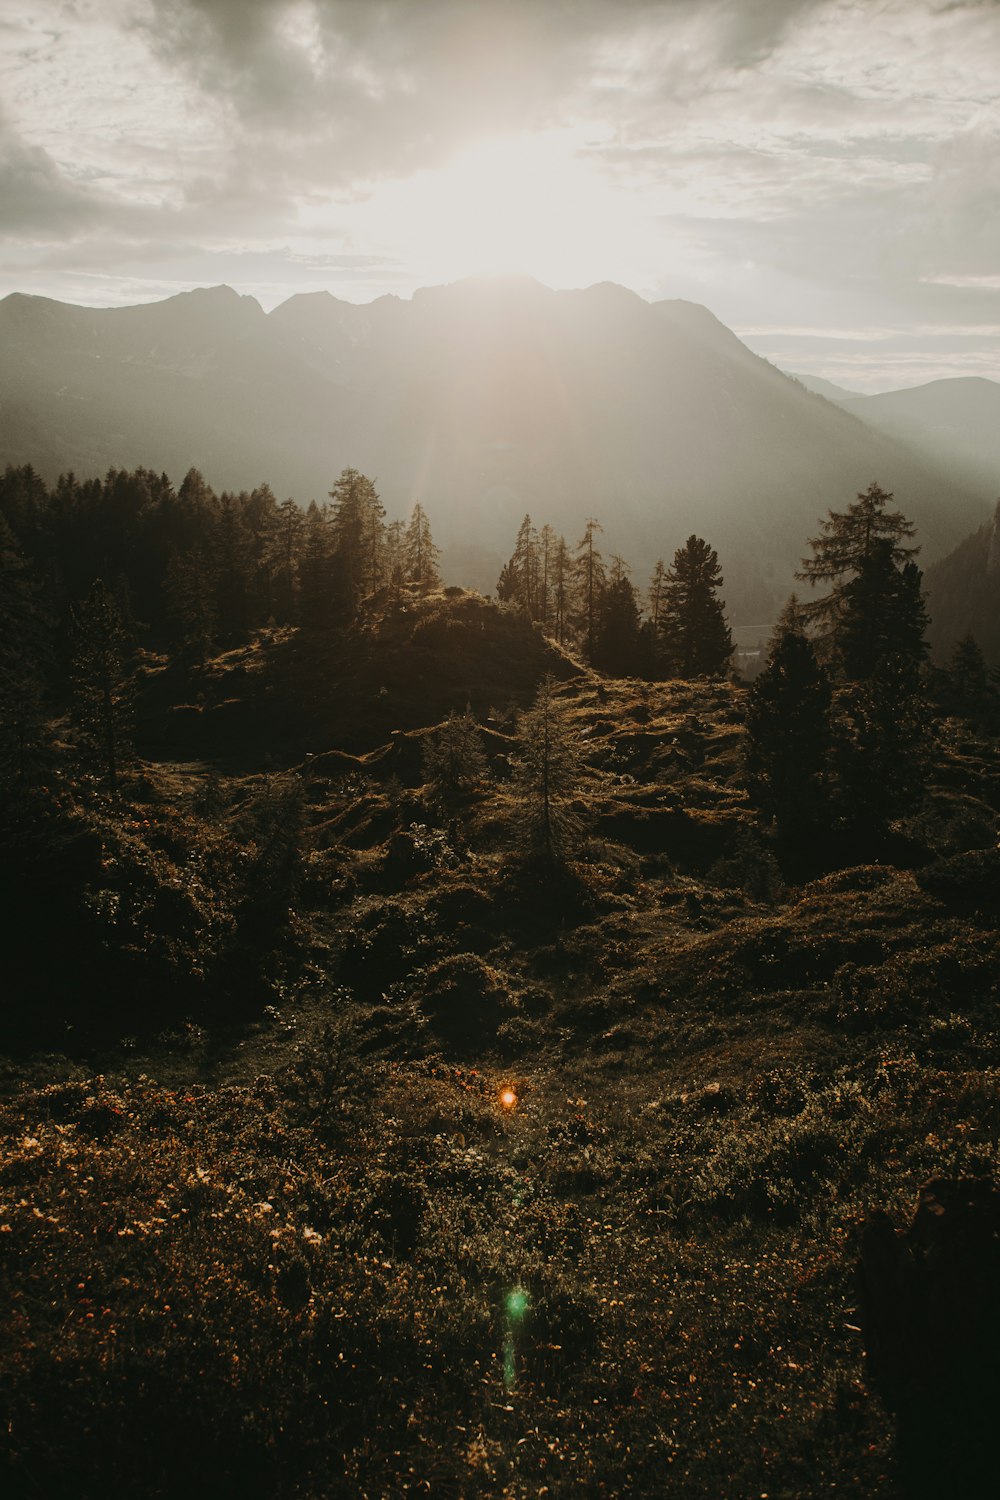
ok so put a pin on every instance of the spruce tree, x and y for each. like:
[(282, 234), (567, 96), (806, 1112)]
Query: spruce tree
[(695, 636), (788, 734), (548, 774), (881, 615), (548, 546), (359, 541), (103, 681), (190, 589), (419, 552), (316, 569), (589, 577), (454, 760), (24, 655), (967, 689), (881, 740), (845, 543), (616, 648), (284, 561), (561, 589)]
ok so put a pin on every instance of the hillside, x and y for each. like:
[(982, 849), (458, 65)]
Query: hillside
[(964, 593), (374, 1158), (480, 400), (954, 423)]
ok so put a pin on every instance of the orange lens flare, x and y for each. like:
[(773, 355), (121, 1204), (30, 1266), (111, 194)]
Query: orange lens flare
[(508, 1098)]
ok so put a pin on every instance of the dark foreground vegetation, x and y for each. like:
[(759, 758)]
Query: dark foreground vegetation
[(432, 1066)]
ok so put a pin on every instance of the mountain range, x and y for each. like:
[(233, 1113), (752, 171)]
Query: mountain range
[(954, 423), (482, 400)]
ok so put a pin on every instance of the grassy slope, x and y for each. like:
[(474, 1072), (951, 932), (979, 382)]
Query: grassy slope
[(316, 1245)]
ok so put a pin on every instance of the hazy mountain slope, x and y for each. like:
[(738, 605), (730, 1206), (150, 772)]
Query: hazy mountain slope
[(964, 593), (821, 387), (198, 379), (955, 422), (483, 400)]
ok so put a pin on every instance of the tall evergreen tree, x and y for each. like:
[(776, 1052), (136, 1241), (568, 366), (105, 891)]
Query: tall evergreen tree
[(695, 636), (788, 734), (881, 615), (103, 681), (561, 589), (24, 653), (548, 774), (589, 570), (548, 544), (286, 548), (657, 593), (846, 541), (966, 688), (190, 586), (359, 535), (616, 647), (230, 555), (419, 552), (454, 760), (881, 738), (316, 610)]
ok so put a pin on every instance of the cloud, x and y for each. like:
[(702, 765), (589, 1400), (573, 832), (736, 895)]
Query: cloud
[(381, 87), (36, 197)]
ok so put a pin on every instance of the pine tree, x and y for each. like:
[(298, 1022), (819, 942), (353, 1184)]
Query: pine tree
[(359, 536), (454, 760), (548, 546), (190, 589), (589, 571), (419, 552), (561, 589), (548, 773), (395, 563), (284, 561), (881, 615), (846, 541), (788, 734), (316, 569), (230, 555), (967, 688), (24, 655), (520, 578), (695, 636), (657, 592), (103, 681), (616, 648), (880, 745)]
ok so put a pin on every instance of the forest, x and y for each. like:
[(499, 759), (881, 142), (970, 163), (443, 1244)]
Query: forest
[(486, 1046)]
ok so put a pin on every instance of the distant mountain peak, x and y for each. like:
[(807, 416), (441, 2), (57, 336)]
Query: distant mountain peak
[(218, 296)]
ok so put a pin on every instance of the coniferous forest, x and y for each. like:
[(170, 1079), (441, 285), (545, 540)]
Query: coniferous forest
[(485, 1046)]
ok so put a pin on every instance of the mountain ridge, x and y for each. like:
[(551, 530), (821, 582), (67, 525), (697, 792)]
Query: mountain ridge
[(482, 401)]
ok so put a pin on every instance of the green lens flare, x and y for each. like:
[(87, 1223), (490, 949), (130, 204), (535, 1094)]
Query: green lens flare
[(517, 1304)]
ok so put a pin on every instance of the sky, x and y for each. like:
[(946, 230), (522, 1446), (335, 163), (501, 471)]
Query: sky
[(823, 174)]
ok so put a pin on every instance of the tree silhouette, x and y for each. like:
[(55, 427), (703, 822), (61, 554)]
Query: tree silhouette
[(589, 568), (846, 541), (616, 647), (454, 760), (419, 552), (24, 649), (103, 681), (548, 773), (693, 629), (881, 614), (788, 734)]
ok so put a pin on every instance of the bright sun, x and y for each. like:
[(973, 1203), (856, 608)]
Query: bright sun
[(531, 204)]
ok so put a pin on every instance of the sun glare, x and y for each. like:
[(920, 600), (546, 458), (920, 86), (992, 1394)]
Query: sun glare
[(531, 204)]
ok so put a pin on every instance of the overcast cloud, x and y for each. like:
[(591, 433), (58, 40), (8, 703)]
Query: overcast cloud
[(810, 169)]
